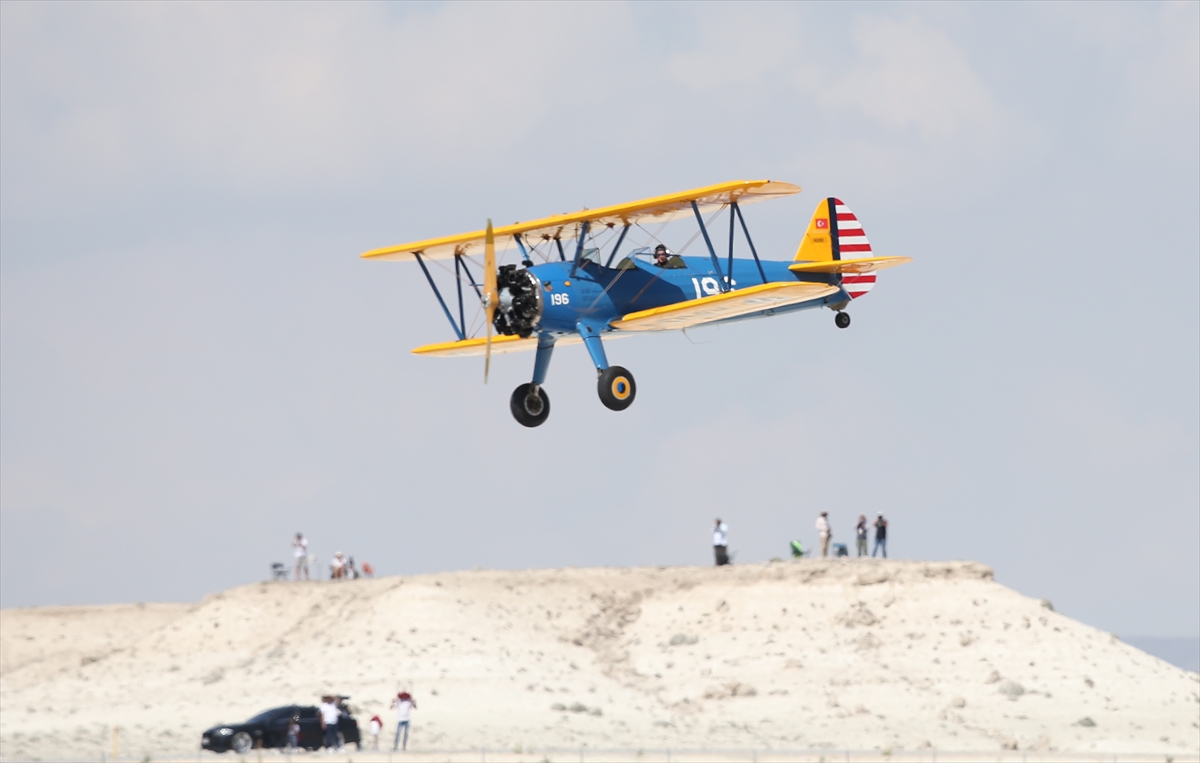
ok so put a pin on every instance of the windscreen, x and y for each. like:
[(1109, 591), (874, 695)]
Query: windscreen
[(266, 716)]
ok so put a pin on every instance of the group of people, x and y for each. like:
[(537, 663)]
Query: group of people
[(403, 704), (860, 534), (824, 533), (331, 710), (341, 568)]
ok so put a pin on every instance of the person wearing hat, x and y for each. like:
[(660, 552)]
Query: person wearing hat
[(824, 532), (338, 566), (375, 727), (661, 256), (880, 535), (404, 704)]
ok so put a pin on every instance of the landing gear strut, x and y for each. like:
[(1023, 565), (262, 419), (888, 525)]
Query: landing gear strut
[(530, 405), (841, 320)]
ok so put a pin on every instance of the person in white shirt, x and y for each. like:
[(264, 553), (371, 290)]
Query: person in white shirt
[(300, 551), (329, 721), (404, 704), (823, 532), (375, 727), (338, 566), (720, 542)]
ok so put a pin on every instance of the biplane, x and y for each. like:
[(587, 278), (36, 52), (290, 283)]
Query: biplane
[(590, 290)]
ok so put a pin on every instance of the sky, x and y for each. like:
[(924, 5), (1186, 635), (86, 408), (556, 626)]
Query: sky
[(195, 364)]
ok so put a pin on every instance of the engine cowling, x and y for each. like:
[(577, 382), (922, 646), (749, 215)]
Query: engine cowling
[(520, 308)]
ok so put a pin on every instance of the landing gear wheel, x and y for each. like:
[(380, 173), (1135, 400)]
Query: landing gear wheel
[(617, 388), (529, 408), (842, 320)]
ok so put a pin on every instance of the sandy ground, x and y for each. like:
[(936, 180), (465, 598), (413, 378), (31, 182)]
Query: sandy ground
[(906, 658)]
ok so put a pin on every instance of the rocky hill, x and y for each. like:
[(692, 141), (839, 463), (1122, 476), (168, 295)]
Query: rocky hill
[(799, 654)]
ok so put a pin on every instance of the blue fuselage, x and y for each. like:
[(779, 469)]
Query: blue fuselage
[(598, 295)]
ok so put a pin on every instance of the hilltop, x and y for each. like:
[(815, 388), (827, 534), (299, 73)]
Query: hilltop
[(808, 653)]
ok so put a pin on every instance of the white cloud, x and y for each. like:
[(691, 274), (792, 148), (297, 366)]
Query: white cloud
[(910, 76), (322, 93)]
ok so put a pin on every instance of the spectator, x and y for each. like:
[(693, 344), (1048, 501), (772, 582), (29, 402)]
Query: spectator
[(375, 727), (351, 570), (860, 534), (329, 721), (721, 542), (404, 704), (300, 551), (823, 531), (368, 570), (338, 567), (880, 535)]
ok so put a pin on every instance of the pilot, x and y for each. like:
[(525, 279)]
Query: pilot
[(661, 256)]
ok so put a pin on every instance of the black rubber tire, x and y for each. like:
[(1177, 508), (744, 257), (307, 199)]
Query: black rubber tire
[(842, 320), (524, 406), (617, 388), (242, 743)]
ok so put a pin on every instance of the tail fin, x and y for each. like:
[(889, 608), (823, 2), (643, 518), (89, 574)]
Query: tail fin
[(834, 233)]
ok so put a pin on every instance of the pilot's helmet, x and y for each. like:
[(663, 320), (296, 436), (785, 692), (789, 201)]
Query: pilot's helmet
[(660, 249)]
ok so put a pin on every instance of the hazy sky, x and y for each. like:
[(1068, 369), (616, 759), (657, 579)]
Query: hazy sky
[(196, 364)]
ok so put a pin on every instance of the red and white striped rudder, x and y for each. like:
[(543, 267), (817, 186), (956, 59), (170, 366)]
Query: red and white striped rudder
[(850, 243)]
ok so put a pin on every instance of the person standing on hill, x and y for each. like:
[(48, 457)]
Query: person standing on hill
[(880, 535), (824, 532), (300, 552), (720, 542), (404, 704), (860, 535)]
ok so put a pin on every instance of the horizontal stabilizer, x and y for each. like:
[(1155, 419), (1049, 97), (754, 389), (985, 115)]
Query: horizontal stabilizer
[(863, 265), (718, 307)]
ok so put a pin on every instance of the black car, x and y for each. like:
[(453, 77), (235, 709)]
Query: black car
[(269, 729)]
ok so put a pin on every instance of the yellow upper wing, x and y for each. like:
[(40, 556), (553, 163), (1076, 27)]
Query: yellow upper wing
[(731, 304), (658, 208)]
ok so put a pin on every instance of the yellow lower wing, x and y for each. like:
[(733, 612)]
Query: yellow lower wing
[(752, 299), (864, 265), (500, 345)]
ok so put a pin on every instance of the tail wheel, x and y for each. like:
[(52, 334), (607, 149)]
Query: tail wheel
[(842, 320), (617, 388), (530, 406)]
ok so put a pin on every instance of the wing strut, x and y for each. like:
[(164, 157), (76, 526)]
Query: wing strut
[(749, 241), (521, 245), (580, 240), (722, 283), (617, 248), (441, 301), (458, 266)]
